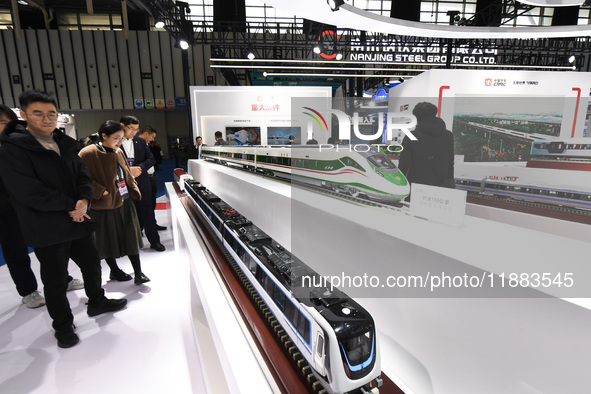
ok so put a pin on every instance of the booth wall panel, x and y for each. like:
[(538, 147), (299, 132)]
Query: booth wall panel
[(6, 93), (30, 59), (124, 67), (57, 67), (156, 66), (166, 67), (91, 69), (113, 69), (96, 69), (70, 70)]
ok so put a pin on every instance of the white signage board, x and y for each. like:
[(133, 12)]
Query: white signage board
[(438, 204)]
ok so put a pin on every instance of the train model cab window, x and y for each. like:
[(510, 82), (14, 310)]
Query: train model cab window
[(351, 163), (358, 349), (381, 161)]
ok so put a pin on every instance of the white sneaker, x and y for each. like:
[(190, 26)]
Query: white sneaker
[(75, 284), (34, 300)]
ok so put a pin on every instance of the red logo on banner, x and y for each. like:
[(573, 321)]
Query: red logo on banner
[(488, 82)]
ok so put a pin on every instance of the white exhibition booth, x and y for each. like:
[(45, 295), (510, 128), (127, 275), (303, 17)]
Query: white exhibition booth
[(516, 93), (260, 110), (515, 341)]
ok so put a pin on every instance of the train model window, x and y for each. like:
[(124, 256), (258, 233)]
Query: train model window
[(229, 238), (320, 345), (358, 349), (381, 161), (279, 298), (249, 262), (269, 285), (295, 318), (351, 163), (289, 310), (261, 275)]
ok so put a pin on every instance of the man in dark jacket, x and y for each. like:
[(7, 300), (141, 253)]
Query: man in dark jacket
[(430, 159), (50, 189), (219, 139)]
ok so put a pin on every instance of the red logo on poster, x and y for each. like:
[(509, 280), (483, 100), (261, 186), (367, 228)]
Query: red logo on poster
[(488, 82)]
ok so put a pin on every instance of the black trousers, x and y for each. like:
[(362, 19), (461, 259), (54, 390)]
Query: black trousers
[(154, 185), (16, 255), (54, 274), (145, 212)]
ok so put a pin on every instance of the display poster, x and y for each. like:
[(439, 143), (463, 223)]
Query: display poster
[(243, 135)]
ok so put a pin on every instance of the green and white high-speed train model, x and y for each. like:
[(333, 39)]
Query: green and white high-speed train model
[(367, 172)]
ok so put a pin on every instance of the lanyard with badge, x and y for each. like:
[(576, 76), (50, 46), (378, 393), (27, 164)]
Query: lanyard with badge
[(120, 181), (121, 185)]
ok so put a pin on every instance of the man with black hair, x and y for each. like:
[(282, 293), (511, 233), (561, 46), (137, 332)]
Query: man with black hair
[(430, 159), (198, 147), (219, 140), (140, 161), (148, 133), (50, 189)]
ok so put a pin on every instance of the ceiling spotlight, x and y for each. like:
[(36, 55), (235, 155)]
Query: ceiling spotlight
[(159, 24), (335, 4), (250, 53), (339, 56), (316, 49), (184, 44), (572, 59)]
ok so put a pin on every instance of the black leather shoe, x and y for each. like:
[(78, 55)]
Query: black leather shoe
[(105, 305), (119, 276), (160, 228), (141, 278), (66, 338), (158, 247)]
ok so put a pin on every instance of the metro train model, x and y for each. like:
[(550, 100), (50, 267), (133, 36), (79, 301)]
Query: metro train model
[(547, 186), (335, 334), (574, 148), (364, 172)]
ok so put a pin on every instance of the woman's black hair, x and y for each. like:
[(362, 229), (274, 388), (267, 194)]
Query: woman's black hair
[(108, 128), (5, 110)]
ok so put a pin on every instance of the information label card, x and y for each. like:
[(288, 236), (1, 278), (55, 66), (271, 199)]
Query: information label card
[(438, 204)]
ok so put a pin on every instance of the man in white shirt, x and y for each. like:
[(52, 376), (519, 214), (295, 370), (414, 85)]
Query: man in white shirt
[(198, 146), (140, 161)]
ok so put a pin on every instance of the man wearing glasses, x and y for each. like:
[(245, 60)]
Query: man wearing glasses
[(140, 161), (50, 189)]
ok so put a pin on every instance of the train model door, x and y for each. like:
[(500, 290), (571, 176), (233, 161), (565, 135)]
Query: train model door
[(319, 354)]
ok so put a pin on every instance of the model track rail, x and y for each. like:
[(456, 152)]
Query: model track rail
[(535, 208)]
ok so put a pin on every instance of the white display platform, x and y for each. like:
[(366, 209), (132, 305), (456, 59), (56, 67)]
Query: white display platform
[(229, 359), (434, 345)]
